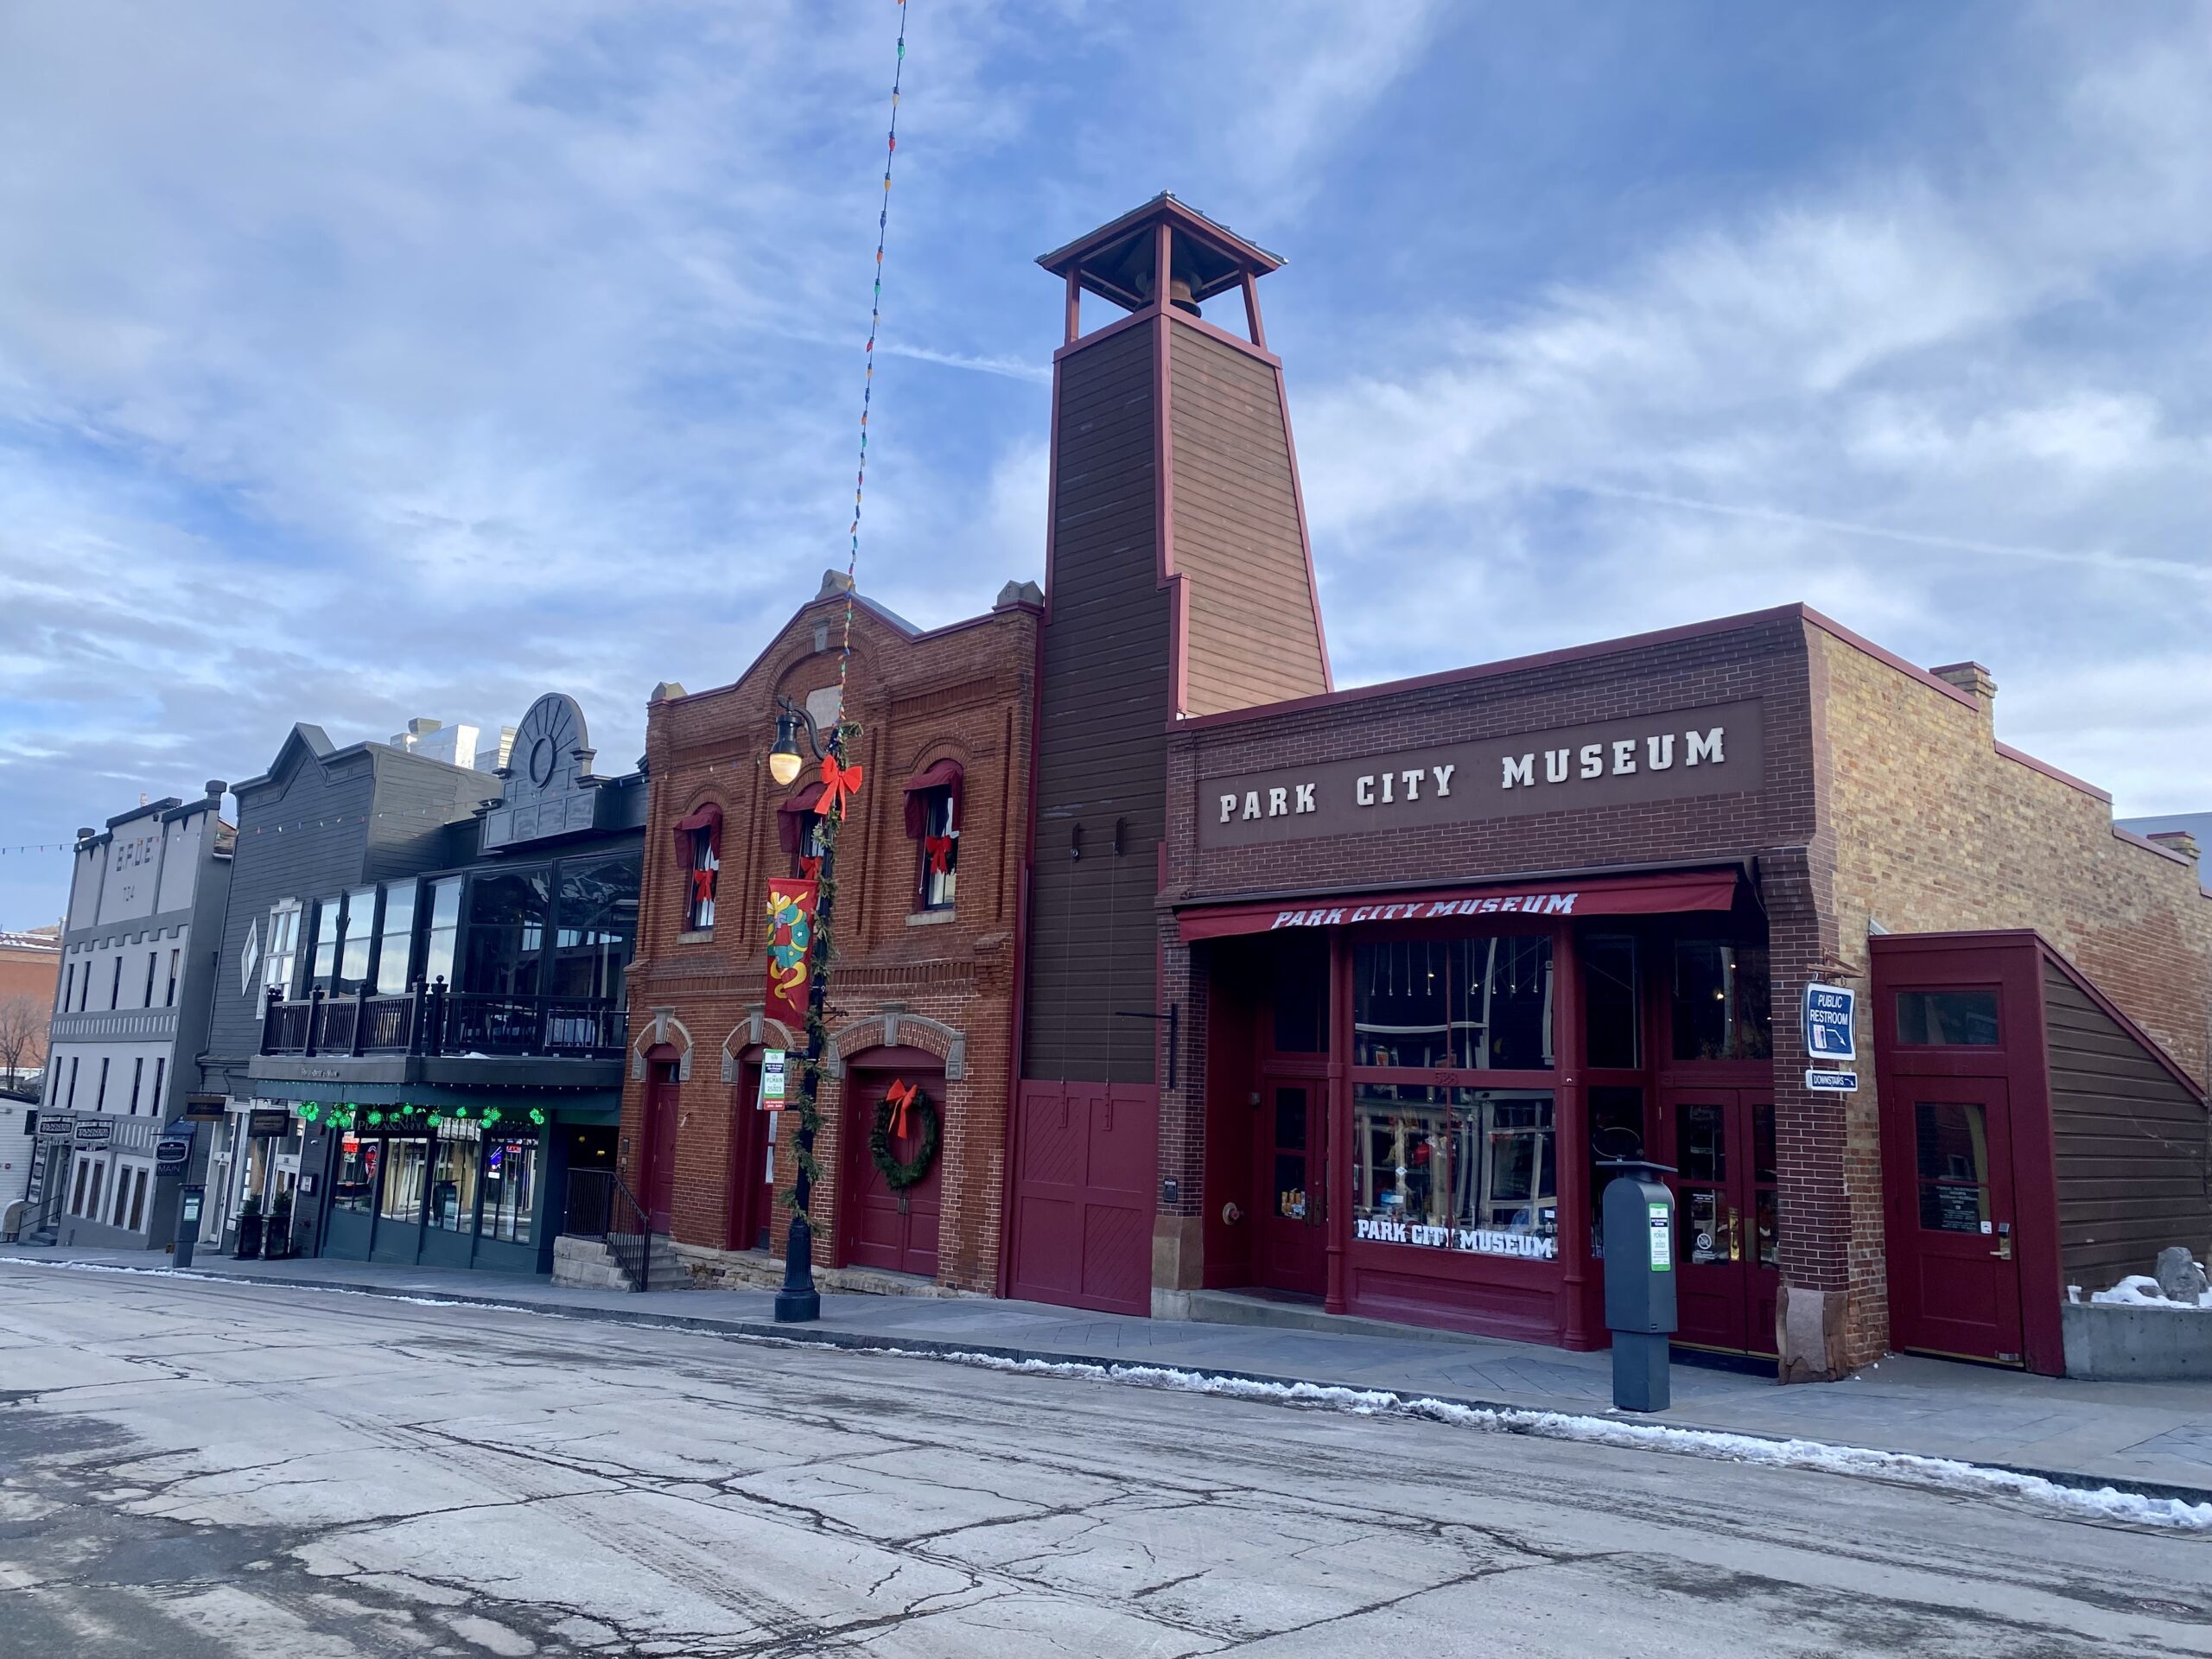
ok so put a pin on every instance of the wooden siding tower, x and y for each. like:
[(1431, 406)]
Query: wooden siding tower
[(1178, 581)]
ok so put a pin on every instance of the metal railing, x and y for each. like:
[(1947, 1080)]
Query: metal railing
[(432, 1019), (601, 1207)]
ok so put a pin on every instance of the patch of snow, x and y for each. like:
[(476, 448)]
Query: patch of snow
[(2140, 1290)]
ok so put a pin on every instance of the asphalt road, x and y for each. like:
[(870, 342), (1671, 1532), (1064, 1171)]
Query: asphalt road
[(196, 1469)]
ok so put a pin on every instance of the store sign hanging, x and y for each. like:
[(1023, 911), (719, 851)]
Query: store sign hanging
[(94, 1132), (1829, 1013), (171, 1154), (1716, 750), (56, 1129)]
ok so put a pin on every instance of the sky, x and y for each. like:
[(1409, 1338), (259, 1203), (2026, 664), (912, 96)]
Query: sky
[(359, 363)]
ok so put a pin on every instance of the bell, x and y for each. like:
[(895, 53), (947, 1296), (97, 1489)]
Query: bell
[(1178, 295)]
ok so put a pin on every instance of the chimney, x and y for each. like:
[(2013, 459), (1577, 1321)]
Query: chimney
[(2176, 840), (1972, 679), (216, 788)]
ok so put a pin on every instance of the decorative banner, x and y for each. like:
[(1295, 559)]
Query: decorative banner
[(839, 785), (791, 932), (774, 1065)]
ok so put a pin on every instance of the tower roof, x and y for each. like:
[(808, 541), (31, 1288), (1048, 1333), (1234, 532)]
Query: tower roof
[(1114, 261)]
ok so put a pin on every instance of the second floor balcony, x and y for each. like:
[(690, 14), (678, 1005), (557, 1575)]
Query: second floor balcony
[(432, 1020)]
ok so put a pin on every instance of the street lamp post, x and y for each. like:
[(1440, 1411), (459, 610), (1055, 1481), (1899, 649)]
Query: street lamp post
[(798, 1301)]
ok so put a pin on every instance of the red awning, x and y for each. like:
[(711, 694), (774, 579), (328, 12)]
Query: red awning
[(1595, 895), (943, 774), (708, 817), (791, 817)]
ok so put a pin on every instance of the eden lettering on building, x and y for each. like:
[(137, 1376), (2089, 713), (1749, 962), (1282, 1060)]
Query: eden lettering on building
[(1679, 754)]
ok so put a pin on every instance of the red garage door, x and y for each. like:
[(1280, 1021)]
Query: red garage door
[(1082, 1206)]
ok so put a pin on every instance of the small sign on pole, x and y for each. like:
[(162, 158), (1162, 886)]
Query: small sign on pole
[(1830, 1011), (1835, 1083), (774, 1068)]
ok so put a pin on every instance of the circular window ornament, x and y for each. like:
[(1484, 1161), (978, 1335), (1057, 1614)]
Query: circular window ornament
[(541, 762)]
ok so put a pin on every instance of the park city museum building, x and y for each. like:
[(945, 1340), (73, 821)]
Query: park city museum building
[(922, 989), (1342, 995)]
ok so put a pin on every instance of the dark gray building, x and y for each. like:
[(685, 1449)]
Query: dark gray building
[(430, 1016)]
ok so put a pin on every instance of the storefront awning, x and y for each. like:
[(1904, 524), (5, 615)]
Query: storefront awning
[(1655, 894)]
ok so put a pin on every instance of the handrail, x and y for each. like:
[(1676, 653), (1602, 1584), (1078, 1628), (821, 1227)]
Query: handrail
[(601, 1207), (436, 1020)]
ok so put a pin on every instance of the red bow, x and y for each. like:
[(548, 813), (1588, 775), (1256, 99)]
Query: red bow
[(702, 887), (901, 1095), (939, 851), (810, 869), (839, 785)]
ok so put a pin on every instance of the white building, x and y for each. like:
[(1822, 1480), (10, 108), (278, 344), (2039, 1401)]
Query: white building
[(139, 952)]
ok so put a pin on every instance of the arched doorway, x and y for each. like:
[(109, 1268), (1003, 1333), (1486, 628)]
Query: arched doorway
[(657, 1190), (878, 1227)]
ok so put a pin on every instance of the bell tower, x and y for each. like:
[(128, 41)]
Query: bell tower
[(1179, 583)]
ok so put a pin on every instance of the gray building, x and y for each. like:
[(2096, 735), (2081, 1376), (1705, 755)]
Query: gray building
[(130, 1011)]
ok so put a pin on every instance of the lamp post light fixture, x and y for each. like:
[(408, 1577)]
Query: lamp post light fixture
[(798, 1301)]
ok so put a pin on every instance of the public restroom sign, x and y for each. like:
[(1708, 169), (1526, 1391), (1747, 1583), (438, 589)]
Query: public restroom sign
[(1828, 1012), (1678, 753)]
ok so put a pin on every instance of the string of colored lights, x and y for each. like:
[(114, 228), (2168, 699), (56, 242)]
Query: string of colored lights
[(868, 390)]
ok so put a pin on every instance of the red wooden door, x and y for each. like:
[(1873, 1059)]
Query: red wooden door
[(1727, 1258), (1950, 1153), (877, 1226), (659, 1195), (1088, 1160), (1292, 1150), (751, 1162)]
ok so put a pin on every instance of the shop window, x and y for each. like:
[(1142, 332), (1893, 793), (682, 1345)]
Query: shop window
[(92, 1204), (1468, 1169), (1612, 1009), (137, 1201), (1720, 996), (356, 935), (1766, 1204), (1299, 996), (76, 1197), (406, 1169), (354, 1186), (396, 938), (1616, 1133), (440, 936), (282, 952), (1951, 1147), (507, 918), (453, 1180), (935, 813), (1478, 1004), (595, 928), (1948, 1018), (509, 1190)]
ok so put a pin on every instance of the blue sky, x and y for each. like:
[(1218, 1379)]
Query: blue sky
[(359, 363)]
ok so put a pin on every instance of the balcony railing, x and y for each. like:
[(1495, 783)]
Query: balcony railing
[(432, 1020)]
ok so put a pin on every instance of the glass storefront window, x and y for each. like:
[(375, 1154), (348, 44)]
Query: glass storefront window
[(1616, 1131), (1611, 1025), (359, 930), (445, 924), (355, 1187), (1720, 1008), (509, 1190), (507, 917), (397, 940), (326, 940), (1469, 1170), (1478, 1004), (452, 1179), (595, 928), (407, 1164)]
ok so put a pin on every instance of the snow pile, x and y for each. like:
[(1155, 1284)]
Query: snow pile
[(1940, 1474), (2140, 1290)]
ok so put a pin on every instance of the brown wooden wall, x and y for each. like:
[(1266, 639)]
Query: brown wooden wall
[(1236, 532), (1101, 745), (2135, 1160)]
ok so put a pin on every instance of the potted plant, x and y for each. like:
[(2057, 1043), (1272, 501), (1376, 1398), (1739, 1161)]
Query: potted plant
[(276, 1238), (249, 1228)]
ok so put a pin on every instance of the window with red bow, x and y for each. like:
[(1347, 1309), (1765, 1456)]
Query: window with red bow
[(939, 849), (699, 850)]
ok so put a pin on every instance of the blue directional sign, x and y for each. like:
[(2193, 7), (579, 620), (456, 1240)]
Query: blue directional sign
[(1829, 1018)]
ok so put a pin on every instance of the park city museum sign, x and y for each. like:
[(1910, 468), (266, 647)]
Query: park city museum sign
[(1716, 750)]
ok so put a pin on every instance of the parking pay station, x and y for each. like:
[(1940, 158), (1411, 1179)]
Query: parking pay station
[(1639, 1217), (189, 1200)]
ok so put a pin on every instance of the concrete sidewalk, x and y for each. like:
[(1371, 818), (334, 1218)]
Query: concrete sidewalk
[(2152, 1437)]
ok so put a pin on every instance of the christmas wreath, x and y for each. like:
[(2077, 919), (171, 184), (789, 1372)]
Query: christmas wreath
[(903, 1108)]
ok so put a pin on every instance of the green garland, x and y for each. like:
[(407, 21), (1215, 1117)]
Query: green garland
[(844, 737), (900, 1176)]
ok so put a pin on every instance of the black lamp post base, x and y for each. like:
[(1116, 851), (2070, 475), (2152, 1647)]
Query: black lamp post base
[(798, 1302)]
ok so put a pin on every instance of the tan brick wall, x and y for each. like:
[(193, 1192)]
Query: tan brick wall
[(1936, 829), (962, 693)]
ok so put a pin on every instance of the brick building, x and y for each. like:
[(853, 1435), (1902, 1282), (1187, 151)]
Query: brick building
[(923, 989), (1345, 995)]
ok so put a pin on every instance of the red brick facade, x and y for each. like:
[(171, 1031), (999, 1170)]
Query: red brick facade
[(932, 991)]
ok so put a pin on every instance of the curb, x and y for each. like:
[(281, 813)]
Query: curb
[(931, 1348)]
